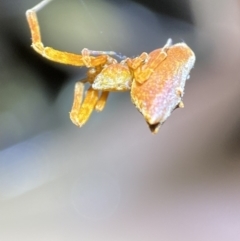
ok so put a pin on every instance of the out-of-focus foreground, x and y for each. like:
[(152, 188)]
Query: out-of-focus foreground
[(113, 179)]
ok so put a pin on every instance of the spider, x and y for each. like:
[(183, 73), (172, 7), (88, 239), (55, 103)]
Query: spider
[(155, 80)]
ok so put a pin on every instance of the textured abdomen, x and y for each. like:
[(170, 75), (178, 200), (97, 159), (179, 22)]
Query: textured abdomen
[(157, 97)]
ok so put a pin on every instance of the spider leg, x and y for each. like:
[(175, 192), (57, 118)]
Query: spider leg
[(81, 112), (102, 101), (145, 64), (144, 72), (53, 54), (77, 101), (138, 61)]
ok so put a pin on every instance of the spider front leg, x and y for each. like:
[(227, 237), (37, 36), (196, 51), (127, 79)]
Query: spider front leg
[(102, 101), (58, 56), (81, 111)]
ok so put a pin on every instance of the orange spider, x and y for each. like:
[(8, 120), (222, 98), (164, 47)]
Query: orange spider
[(156, 80)]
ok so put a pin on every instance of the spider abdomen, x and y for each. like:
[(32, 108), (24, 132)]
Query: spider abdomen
[(159, 95)]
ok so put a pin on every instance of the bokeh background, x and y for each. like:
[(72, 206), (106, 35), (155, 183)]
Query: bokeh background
[(113, 179)]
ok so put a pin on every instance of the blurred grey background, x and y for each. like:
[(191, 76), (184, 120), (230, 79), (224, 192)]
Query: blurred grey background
[(113, 179)]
